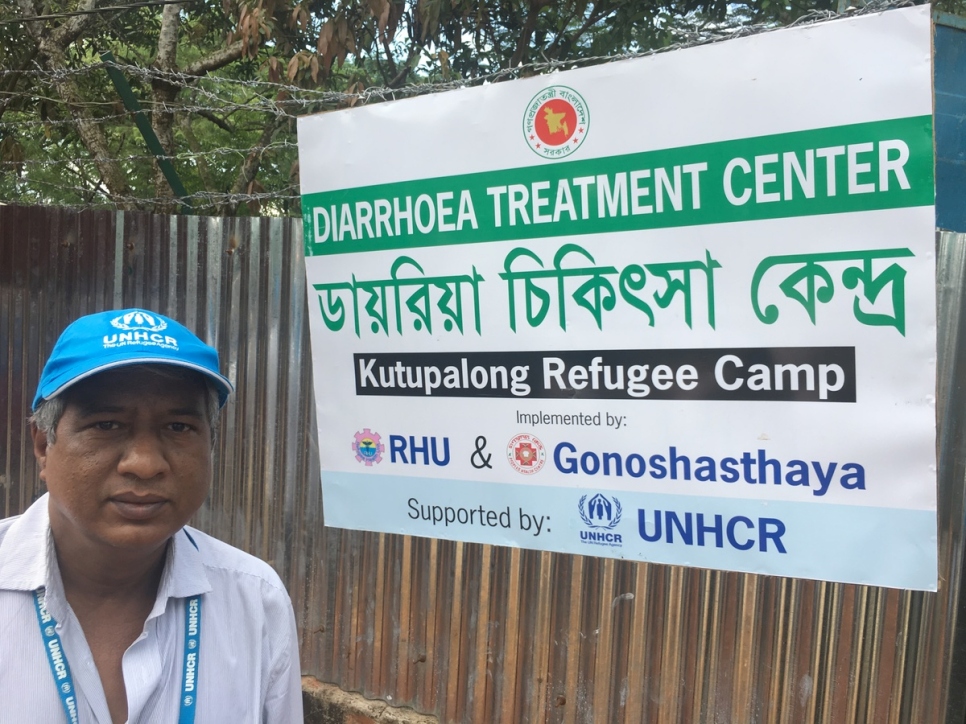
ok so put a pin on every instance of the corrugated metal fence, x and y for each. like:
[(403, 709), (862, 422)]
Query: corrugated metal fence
[(477, 633)]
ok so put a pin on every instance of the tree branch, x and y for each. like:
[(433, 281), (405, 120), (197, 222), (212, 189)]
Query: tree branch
[(88, 128), (221, 123), (403, 73), (218, 59), (163, 93), (253, 162), (72, 29), (167, 57), (11, 85), (389, 59), (29, 10), (596, 15), (52, 47), (555, 45), (195, 147)]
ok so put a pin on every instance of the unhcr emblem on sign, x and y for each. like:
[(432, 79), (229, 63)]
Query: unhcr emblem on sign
[(600, 511)]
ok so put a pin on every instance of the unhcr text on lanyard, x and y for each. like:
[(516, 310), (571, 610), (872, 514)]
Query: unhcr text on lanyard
[(60, 670)]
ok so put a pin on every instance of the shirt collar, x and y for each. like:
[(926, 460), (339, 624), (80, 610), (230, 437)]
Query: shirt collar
[(24, 563), (184, 571), (23, 550)]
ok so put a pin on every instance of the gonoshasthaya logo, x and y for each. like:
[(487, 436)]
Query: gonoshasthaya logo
[(526, 454), (368, 447), (556, 122)]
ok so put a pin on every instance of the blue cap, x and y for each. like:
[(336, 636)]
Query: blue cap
[(124, 337)]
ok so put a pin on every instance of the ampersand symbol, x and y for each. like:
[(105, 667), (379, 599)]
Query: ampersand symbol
[(479, 459)]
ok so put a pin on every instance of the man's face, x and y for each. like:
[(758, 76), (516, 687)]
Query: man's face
[(132, 459)]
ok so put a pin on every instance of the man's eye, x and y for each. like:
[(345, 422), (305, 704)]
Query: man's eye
[(105, 425), (180, 426)]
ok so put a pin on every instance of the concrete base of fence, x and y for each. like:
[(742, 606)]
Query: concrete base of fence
[(328, 704)]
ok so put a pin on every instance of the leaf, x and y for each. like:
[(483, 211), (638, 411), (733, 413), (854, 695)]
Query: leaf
[(428, 13), (444, 65), (314, 67), (396, 10), (273, 71), (254, 187), (12, 153), (346, 37), (198, 31), (299, 17), (380, 11), (293, 68), (325, 38), (354, 92)]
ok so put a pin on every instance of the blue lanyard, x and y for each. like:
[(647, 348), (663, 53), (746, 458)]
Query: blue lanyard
[(60, 669), (192, 649), (56, 657)]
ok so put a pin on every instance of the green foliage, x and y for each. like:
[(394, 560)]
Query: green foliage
[(253, 65)]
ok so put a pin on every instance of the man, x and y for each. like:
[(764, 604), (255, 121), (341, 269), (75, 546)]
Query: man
[(111, 608)]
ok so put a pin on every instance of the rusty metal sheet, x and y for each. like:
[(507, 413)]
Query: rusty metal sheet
[(476, 633)]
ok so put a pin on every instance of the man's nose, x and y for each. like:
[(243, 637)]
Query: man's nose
[(143, 456)]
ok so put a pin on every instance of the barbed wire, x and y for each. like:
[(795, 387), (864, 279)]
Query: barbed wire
[(286, 100), (702, 35), (302, 95), (217, 97), (94, 11), (181, 156), (213, 199), (199, 200)]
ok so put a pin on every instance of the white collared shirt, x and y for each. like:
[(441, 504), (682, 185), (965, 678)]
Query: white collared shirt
[(248, 666)]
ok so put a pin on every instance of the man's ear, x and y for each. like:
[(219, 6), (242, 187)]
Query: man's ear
[(40, 447)]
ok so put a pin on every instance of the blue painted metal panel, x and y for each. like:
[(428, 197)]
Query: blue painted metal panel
[(950, 127)]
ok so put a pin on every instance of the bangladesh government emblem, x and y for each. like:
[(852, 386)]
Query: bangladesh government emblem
[(556, 122)]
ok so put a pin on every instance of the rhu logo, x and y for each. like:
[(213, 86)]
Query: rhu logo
[(419, 451), (601, 514), (368, 447)]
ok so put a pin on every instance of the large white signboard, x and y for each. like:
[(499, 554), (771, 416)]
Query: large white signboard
[(676, 309)]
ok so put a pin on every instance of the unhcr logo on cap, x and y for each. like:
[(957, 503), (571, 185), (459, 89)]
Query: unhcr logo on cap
[(140, 328), (139, 320)]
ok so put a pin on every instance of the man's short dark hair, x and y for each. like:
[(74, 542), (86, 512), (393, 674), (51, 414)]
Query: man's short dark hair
[(48, 412)]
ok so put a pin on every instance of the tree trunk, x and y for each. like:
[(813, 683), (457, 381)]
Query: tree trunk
[(252, 163), (520, 54), (164, 94), (52, 47)]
